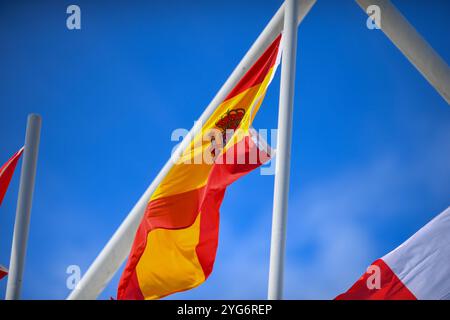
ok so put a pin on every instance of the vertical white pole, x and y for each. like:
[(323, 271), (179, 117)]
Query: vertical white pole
[(23, 211), (282, 167)]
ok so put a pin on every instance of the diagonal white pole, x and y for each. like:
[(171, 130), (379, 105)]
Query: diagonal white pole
[(23, 211), (116, 250), (283, 161), (412, 45)]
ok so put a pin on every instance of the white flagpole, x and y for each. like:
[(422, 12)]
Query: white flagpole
[(23, 211), (284, 139), (116, 250), (412, 45)]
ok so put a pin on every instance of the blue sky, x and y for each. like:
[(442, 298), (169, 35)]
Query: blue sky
[(371, 141)]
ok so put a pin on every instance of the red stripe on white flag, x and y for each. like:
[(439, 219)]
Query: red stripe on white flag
[(418, 269)]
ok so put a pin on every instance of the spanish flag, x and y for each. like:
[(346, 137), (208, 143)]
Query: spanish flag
[(175, 245)]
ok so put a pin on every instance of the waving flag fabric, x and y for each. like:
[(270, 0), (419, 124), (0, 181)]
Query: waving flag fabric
[(175, 245), (6, 173), (3, 272), (417, 269)]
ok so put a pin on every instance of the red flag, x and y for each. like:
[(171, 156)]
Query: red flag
[(6, 173), (3, 272), (418, 269)]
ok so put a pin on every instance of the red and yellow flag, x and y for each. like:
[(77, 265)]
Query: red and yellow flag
[(175, 245)]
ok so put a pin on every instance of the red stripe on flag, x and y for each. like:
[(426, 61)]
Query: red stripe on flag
[(259, 70), (6, 173), (3, 272), (132, 291), (390, 286)]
